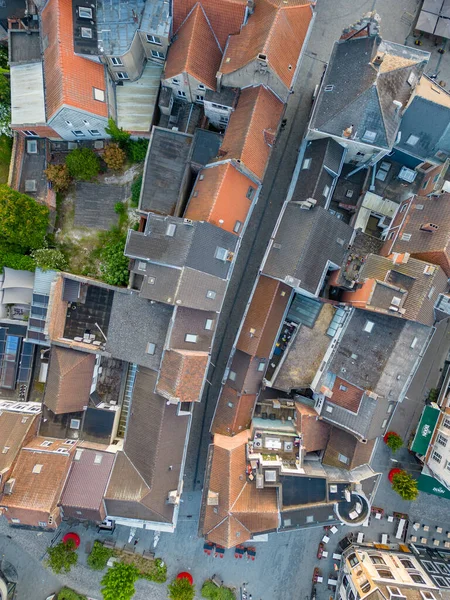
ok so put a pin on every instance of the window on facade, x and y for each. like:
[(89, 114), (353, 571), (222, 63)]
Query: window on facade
[(158, 54), (94, 132), (232, 376), (122, 75), (201, 86), (412, 140), (46, 443), (407, 563), (86, 32), (436, 457), (391, 235), (142, 265), (223, 119), (84, 12), (75, 423), (446, 423), (190, 337), (261, 365), (200, 98), (42, 523), (377, 559), (394, 592), (182, 94), (77, 133), (30, 133), (353, 560), (150, 349), (306, 164), (99, 95), (365, 587), (221, 253), (175, 81), (426, 595), (15, 521), (250, 192), (116, 61), (369, 136), (326, 191), (385, 574), (219, 106), (237, 227), (32, 146), (209, 324), (153, 39), (441, 439), (417, 578)]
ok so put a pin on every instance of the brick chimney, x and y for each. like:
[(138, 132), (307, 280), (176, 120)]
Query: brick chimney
[(431, 227), (368, 26), (348, 132), (400, 258)]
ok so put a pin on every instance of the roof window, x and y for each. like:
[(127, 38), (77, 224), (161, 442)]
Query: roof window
[(99, 95), (406, 237), (306, 164), (211, 294), (84, 12), (209, 324), (46, 444), (369, 136), (151, 347), (86, 32), (329, 88), (75, 423), (171, 228), (221, 253), (98, 459), (343, 459), (369, 325), (191, 337), (412, 140), (37, 468)]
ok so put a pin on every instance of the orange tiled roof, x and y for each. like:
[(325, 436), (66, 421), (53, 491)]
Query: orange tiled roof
[(277, 29), (69, 79), (181, 376), (242, 510), (234, 411), (314, 432), (195, 50), (221, 195), (257, 112), (39, 490), (349, 398), (225, 16)]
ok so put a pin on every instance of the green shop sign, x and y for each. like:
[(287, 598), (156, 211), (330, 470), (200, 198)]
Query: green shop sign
[(430, 485), (425, 430)]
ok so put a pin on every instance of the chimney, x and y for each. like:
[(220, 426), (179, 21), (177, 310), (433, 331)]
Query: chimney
[(429, 227), (368, 26), (400, 258), (348, 132), (379, 57)]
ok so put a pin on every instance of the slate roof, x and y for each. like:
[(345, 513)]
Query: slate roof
[(195, 49), (304, 243), (384, 357), (252, 128), (277, 30), (220, 196), (69, 78), (363, 93), (134, 323), (233, 412), (225, 17), (433, 246), (425, 118), (182, 375), (346, 445), (326, 157), (87, 479), (164, 170), (69, 380), (151, 463), (242, 510), (421, 289), (264, 317)]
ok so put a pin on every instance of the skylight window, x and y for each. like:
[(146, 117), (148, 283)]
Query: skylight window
[(84, 12), (369, 136), (369, 326), (150, 348), (86, 32)]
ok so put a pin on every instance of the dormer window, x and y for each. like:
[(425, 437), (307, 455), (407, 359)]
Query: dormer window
[(84, 12)]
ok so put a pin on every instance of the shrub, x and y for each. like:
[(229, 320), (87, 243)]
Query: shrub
[(393, 441), (68, 594), (118, 582), (59, 176), (158, 572), (433, 395), (117, 134), (114, 267), (13, 260), (405, 485), (114, 157), (136, 191), (99, 556), (24, 221), (137, 150), (62, 557), (181, 589), (210, 590), (49, 258), (83, 164), (120, 208)]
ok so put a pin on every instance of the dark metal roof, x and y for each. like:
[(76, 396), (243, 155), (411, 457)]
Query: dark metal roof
[(302, 490), (205, 146), (85, 39)]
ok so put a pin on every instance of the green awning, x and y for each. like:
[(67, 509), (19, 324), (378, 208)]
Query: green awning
[(425, 430), (430, 485)]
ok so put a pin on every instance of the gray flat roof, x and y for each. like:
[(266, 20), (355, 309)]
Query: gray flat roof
[(24, 46), (164, 170)]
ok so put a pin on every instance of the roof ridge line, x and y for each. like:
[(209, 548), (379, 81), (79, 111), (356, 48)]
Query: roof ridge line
[(211, 27), (79, 361), (137, 471)]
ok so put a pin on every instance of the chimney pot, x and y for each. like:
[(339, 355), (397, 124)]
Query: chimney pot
[(348, 132)]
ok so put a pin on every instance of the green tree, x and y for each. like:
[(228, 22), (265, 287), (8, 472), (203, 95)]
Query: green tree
[(117, 134), (210, 590), (118, 582), (59, 176), (181, 589), (49, 258), (137, 150), (14, 260), (114, 264), (394, 441), (405, 485), (62, 557), (136, 190), (99, 556), (83, 164), (24, 221), (68, 594), (5, 88)]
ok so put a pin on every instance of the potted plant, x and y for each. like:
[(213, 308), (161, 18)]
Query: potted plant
[(182, 588), (405, 485), (393, 440), (394, 472)]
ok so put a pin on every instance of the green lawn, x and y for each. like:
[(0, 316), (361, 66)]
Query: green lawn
[(5, 157)]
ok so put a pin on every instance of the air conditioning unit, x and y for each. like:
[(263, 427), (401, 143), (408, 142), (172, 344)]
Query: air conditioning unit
[(257, 443)]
